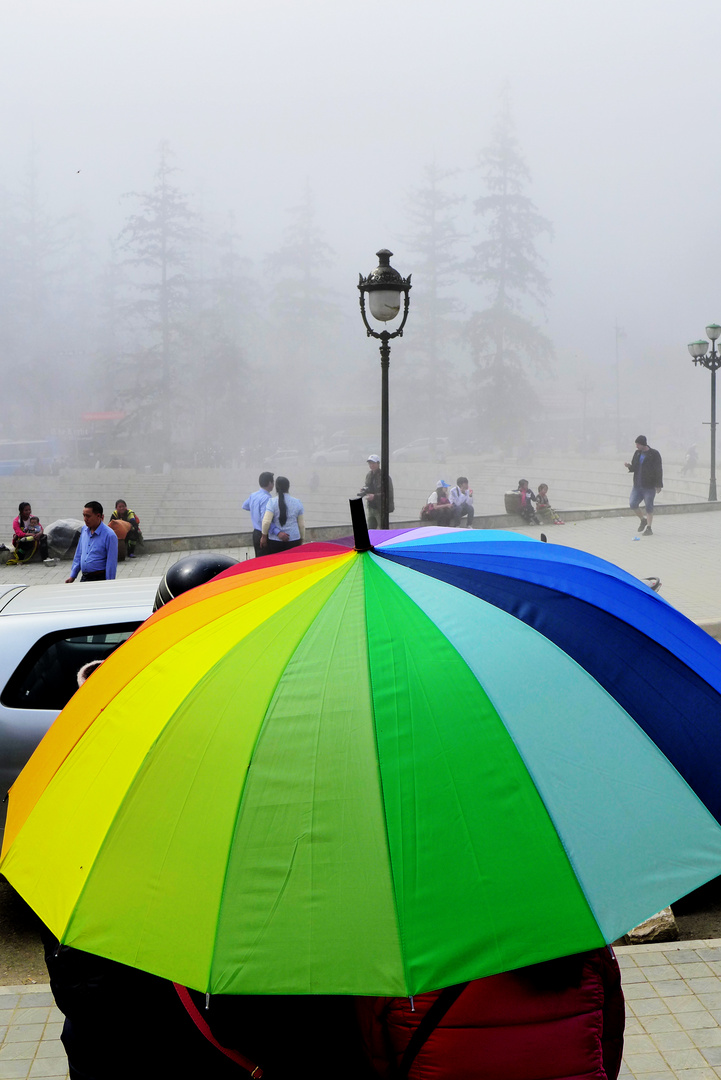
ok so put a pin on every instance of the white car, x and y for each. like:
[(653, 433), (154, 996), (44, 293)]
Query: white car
[(422, 450), (280, 458), (340, 454), (47, 633)]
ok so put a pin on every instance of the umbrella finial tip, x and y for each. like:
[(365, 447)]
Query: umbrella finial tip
[(360, 525)]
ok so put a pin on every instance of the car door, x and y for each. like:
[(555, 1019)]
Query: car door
[(40, 662)]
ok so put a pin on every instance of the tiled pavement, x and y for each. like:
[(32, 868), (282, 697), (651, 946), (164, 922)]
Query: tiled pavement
[(673, 1010), (683, 552), (30, 1027), (673, 1017)]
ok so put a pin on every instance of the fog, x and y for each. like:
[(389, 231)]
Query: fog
[(300, 134)]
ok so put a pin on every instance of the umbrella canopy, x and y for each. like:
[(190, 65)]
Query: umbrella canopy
[(378, 772)]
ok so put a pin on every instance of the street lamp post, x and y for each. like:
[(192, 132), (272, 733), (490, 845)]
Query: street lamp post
[(712, 361), (384, 286)]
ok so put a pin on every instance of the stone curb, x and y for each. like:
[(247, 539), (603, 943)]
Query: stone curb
[(670, 946), (334, 532)]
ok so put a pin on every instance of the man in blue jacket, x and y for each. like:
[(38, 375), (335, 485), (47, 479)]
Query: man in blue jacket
[(647, 469)]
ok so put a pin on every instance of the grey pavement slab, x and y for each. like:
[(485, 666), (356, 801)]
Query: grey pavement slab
[(672, 994), (184, 501), (683, 552), (30, 1026), (673, 1017), (153, 565)]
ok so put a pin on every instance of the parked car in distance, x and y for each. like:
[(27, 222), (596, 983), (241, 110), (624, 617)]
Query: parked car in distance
[(423, 450), (47, 633), (340, 454), (280, 458)]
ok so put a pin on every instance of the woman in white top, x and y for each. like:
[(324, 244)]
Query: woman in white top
[(283, 523)]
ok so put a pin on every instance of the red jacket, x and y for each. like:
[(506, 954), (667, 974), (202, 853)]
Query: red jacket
[(18, 529), (514, 1026)]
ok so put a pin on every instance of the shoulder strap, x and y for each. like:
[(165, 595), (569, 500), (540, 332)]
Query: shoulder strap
[(427, 1026), (182, 991)]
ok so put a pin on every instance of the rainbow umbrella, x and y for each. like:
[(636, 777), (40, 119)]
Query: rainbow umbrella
[(378, 771)]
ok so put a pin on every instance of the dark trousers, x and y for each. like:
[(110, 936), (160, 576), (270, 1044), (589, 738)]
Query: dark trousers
[(132, 538), (444, 515), (42, 542), (461, 512), (275, 546), (256, 543), (93, 575)]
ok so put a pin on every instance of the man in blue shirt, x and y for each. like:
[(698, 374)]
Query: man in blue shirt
[(256, 503), (97, 551)]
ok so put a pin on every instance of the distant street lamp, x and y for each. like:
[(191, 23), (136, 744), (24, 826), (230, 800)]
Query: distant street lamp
[(384, 286), (711, 361)]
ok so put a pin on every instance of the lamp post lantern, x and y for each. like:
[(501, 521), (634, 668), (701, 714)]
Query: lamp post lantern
[(712, 361), (384, 286)]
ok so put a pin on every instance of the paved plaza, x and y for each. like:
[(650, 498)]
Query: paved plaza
[(30, 1026), (187, 502), (673, 1010), (673, 991), (683, 552), (673, 1017)]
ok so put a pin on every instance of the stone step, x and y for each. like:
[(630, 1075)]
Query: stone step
[(206, 500)]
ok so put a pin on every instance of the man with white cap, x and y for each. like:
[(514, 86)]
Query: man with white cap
[(371, 492)]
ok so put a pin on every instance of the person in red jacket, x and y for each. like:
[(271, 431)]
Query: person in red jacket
[(560, 1020)]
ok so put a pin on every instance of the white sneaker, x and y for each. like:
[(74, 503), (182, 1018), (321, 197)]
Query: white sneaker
[(50, 562)]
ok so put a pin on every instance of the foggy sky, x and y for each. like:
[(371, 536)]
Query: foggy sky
[(615, 106)]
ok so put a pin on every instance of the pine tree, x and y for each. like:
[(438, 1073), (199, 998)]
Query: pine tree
[(506, 343), (305, 323), (433, 331), (230, 419), (110, 342), (35, 335), (158, 240)]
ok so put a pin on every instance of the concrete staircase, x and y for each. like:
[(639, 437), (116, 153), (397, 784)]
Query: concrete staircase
[(208, 501)]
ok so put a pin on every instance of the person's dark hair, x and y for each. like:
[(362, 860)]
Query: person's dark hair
[(265, 478), (282, 486), (522, 482), (641, 439), (117, 503), (22, 506), (96, 507), (461, 480)]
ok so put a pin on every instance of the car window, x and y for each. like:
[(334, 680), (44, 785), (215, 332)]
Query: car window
[(47, 676)]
